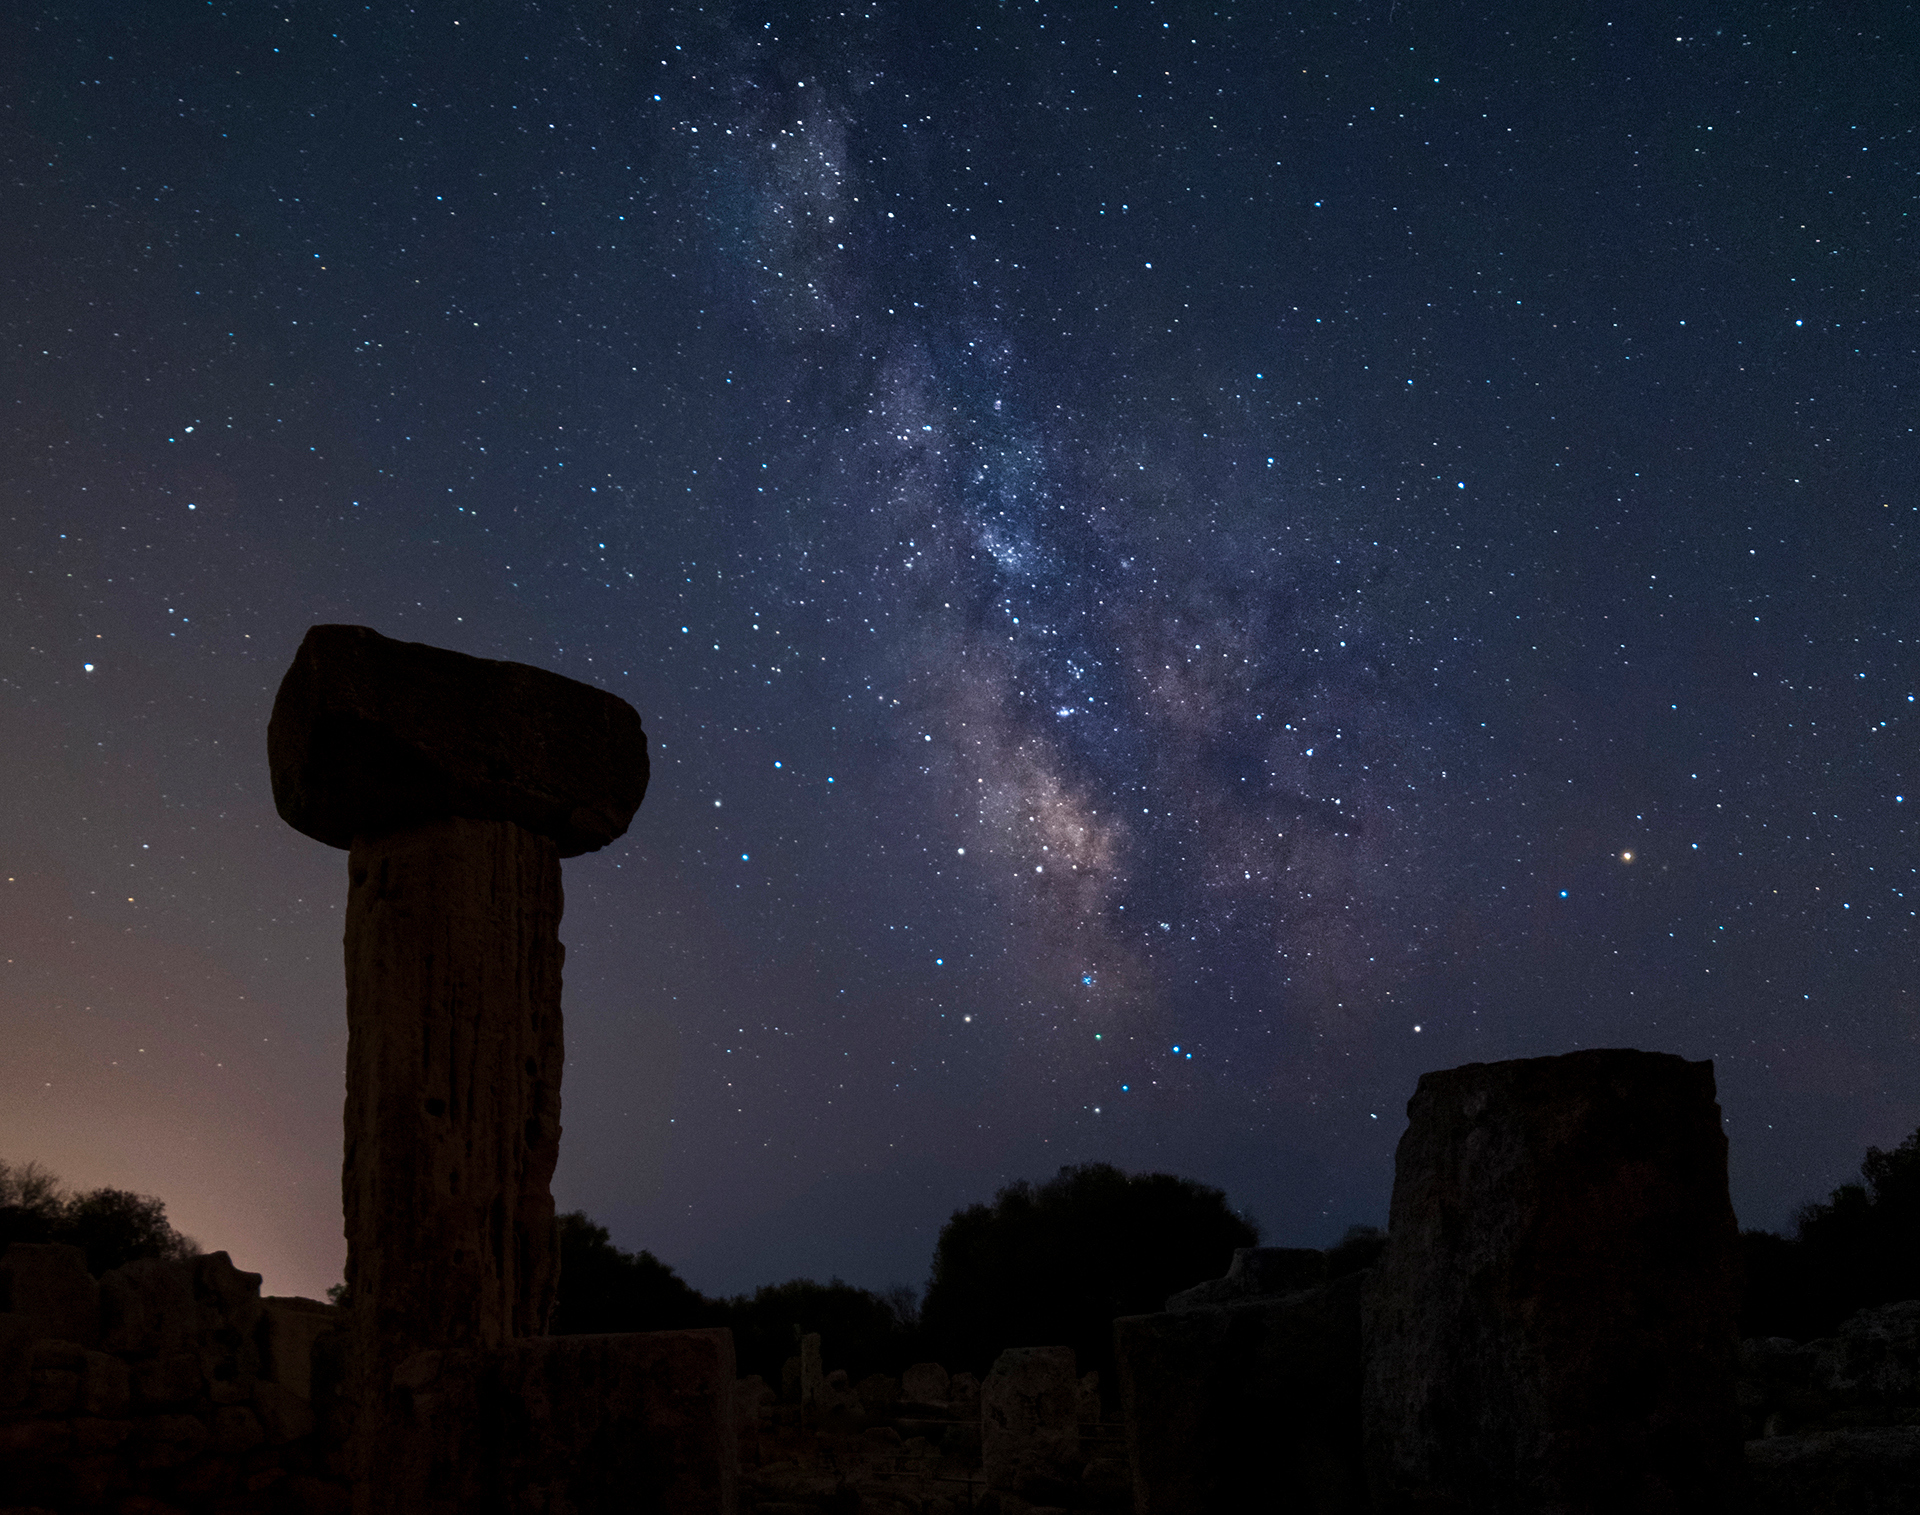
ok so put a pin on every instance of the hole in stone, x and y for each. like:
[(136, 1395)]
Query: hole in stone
[(436, 1107), (532, 1071)]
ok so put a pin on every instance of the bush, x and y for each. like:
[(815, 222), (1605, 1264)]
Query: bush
[(1055, 1264), (859, 1330), (1860, 1247), (112, 1226)]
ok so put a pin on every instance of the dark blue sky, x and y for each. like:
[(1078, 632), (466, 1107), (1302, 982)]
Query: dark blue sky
[(1340, 542)]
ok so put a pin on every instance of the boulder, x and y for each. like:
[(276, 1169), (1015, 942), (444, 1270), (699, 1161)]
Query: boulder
[(1865, 1470), (49, 1285), (924, 1383), (147, 1308), (1552, 1324), (1239, 1406), (370, 735), (1874, 1358), (1029, 1422)]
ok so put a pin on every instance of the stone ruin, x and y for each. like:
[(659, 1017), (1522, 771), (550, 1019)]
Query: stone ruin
[(1551, 1326), (457, 785)]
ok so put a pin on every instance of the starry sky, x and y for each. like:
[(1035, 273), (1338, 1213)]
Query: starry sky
[(1182, 564)]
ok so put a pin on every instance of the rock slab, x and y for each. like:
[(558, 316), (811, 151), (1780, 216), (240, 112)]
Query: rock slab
[(568, 1425), (369, 734), (1030, 1422), (1552, 1324), (1246, 1406)]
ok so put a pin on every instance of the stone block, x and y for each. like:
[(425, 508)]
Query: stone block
[(230, 1315), (1257, 1273), (284, 1416), (93, 1435), (1029, 1422), (1247, 1405), (166, 1382), (17, 1335), (56, 1391), (104, 1385), (1552, 1324), (49, 1284), (160, 1442), (236, 1430), (370, 735), (925, 1383), (1087, 1409), (877, 1393), (590, 1423), (1874, 1358), (811, 1374), (147, 1308), (963, 1396), (289, 1328), (564, 1425)]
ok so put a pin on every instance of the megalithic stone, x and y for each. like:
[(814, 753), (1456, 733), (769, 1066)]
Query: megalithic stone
[(1553, 1324), (457, 784)]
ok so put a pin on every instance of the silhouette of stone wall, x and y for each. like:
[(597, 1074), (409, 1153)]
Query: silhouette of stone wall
[(172, 1382)]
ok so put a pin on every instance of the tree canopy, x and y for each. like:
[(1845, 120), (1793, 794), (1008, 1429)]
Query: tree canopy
[(112, 1226), (603, 1289), (1057, 1262), (1858, 1247)]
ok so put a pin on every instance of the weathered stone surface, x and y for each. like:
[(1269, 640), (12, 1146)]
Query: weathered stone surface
[(1874, 1358), (1087, 1407), (811, 1373), (147, 1308), (1551, 1326), (963, 1396), (167, 1441), (924, 1383), (370, 735), (567, 1425), (49, 1285), (1257, 1273), (1242, 1406), (641, 1421), (1867, 1470), (289, 1329), (284, 1416), (167, 1381), (454, 1057), (17, 1336), (1029, 1422), (104, 1386)]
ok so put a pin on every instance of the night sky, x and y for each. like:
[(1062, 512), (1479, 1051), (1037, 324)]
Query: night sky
[(1182, 565)]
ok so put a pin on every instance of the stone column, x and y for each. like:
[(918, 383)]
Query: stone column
[(456, 784), (1552, 1324), (454, 1058)]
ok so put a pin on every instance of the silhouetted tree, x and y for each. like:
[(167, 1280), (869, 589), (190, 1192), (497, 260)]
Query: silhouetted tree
[(859, 1330), (115, 1226), (1055, 1264), (1860, 1247), (604, 1289), (112, 1226)]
